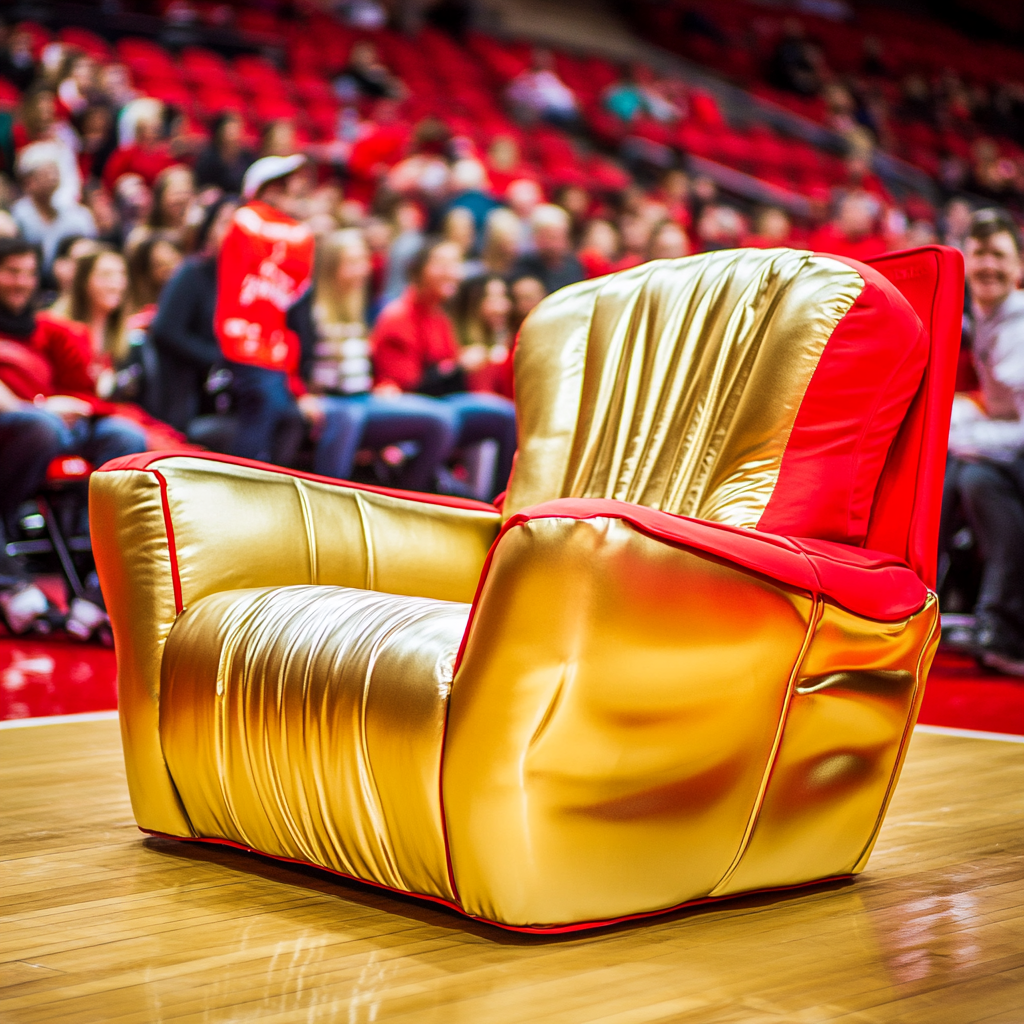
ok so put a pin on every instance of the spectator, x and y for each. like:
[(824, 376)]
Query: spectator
[(69, 251), (96, 131), (772, 227), (263, 270), (482, 315), (668, 242), (853, 232), (523, 196), (956, 223), (415, 349), (459, 228), (279, 138), (539, 94), (173, 193), (47, 403), (142, 150), (38, 123), (17, 64), (796, 64), (409, 224), (599, 248), (527, 293), (635, 232), (182, 331), (470, 190), (223, 162), (634, 96), (343, 404), (151, 265), (77, 85), (502, 234), (41, 222), (99, 301), (366, 77), (504, 163), (985, 472), (720, 227), (552, 262)]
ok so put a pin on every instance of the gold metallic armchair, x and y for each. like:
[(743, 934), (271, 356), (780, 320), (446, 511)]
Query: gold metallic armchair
[(682, 662)]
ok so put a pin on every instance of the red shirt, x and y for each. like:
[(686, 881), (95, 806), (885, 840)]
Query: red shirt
[(829, 240), (409, 337), (264, 267), (147, 163), (53, 360)]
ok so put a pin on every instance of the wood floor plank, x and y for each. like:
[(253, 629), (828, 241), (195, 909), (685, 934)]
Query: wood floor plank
[(99, 924)]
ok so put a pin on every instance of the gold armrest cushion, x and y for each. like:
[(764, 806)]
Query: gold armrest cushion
[(169, 530), (637, 724)]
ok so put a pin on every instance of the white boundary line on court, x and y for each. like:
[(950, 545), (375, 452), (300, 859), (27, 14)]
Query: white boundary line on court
[(106, 716), (971, 734), (85, 716)]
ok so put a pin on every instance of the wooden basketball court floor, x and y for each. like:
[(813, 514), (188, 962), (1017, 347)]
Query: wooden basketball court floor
[(100, 924)]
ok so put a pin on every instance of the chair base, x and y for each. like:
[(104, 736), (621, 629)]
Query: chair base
[(557, 929)]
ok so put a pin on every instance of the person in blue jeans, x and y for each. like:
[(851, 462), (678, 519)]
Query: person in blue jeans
[(415, 351), (345, 410)]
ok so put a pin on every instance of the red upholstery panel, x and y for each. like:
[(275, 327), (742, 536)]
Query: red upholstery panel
[(869, 583), (905, 519), (853, 408)]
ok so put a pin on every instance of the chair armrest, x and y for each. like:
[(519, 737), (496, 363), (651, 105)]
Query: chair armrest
[(169, 529), (647, 709)]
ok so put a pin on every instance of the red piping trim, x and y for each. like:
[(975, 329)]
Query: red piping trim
[(172, 550), (558, 929), (146, 460)]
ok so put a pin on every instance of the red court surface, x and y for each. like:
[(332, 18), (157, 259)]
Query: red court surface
[(40, 678)]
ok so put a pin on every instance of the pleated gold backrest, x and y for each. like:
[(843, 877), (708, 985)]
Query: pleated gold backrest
[(676, 384)]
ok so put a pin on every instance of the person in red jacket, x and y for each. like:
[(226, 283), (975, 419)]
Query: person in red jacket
[(263, 272), (854, 231), (48, 407), (415, 349)]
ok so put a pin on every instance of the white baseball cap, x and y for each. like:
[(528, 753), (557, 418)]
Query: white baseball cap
[(269, 168)]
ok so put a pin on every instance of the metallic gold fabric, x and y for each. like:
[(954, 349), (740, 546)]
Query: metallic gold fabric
[(634, 726), (133, 560), (237, 527), (611, 722), (851, 712), (241, 527), (676, 384), (307, 722)]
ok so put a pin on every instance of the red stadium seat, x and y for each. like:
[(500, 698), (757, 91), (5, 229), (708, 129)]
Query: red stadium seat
[(9, 95)]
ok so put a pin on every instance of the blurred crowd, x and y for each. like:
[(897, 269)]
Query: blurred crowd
[(406, 253), (879, 76)]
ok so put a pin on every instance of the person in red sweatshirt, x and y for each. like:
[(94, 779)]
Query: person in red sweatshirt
[(415, 350), (263, 274), (48, 407)]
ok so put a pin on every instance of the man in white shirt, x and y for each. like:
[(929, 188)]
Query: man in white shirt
[(985, 473), (41, 220)]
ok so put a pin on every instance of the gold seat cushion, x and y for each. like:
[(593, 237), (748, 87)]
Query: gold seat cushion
[(307, 722)]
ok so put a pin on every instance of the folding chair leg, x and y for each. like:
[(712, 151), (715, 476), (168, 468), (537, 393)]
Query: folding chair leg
[(61, 547)]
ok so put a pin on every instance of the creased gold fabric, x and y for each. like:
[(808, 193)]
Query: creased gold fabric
[(674, 385), (236, 527), (634, 726), (134, 564), (306, 722)]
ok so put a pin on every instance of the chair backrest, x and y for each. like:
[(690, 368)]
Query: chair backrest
[(758, 388), (905, 519)]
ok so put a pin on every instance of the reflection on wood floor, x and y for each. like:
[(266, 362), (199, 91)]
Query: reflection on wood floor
[(98, 924)]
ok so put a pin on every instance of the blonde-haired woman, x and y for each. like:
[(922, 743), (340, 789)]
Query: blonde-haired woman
[(342, 408)]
